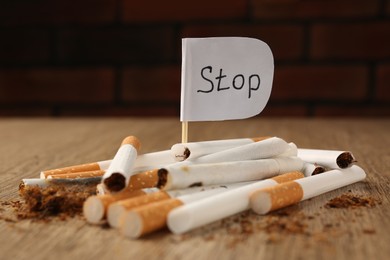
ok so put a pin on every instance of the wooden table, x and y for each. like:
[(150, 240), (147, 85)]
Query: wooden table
[(31, 145)]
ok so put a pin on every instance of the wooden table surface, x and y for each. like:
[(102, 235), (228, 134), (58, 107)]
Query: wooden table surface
[(31, 145)]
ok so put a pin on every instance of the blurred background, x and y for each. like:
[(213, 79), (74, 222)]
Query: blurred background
[(123, 57)]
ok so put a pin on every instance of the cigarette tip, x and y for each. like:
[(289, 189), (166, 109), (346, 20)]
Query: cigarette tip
[(260, 202), (132, 140), (131, 224), (93, 210)]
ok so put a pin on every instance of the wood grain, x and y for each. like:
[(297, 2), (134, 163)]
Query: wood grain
[(31, 145)]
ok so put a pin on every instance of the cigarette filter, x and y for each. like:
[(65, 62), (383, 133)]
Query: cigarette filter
[(285, 194), (178, 177), (115, 210), (95, 207), (119, 172), (328, 158), (74, 175), (148, 218), (183, 151), (208, 210), (263, 149), (94, 166), (310, 169)]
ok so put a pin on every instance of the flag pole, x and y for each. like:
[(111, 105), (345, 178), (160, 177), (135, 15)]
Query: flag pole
[(184, 131)]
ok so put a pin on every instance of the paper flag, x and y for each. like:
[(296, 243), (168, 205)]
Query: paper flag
[(224, 78)]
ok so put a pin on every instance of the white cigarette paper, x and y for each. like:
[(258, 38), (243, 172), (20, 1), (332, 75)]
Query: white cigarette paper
[(328, 158), (267, 148), (285, 194), (119, 172), (151, 217), (205, 211), (184, 151), (178, 177)]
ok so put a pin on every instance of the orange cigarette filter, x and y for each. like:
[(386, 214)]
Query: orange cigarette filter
[(74, 175), (95, 207), (148, 218), (148, 179), (71, 169), (115, 210)]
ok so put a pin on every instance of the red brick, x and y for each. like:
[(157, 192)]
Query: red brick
[(281, 110), (151, 84), (356, 41), (299, 9), (56, 86), (24, 46), (359, 110), (57, 12), (383, 83), (143, 110), (285, 41), (117, 45), (311, 83), (177, 10)]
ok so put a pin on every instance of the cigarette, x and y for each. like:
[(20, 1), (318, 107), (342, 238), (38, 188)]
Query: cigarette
[(115, 210), (292, 150), (263, 149), (220, 206), (143, 162), (95, 207), (285, 194), (119, 172), (94, 166), (179, 177), (151, 217), (329, 158), (42, 183), (310, 169), (74, 175), (184, 151)]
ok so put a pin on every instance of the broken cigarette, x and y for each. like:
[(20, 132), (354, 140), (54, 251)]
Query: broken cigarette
[(220, 206), (285, 194), (328, 158), (74, 175), (263, 149), (148, 218), (116, 209), (119, 172), (143, 162), (42, 183), (95, 207), (179, 177), (148, 179), (184, 151), (310, 169)]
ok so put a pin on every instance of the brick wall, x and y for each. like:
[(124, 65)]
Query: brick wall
[(122, 57)]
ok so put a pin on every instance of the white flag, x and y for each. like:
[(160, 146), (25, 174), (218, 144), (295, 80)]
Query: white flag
[(224, 78)]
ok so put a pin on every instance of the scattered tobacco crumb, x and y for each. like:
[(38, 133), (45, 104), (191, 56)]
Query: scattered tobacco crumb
[(351, 201), (369, 231), (42, 204)]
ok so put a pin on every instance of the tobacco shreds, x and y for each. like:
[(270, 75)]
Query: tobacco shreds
[(351, 201), (56, 200)]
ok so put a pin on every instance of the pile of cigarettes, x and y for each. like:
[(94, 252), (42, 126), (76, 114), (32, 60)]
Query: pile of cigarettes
[(197, 183)]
